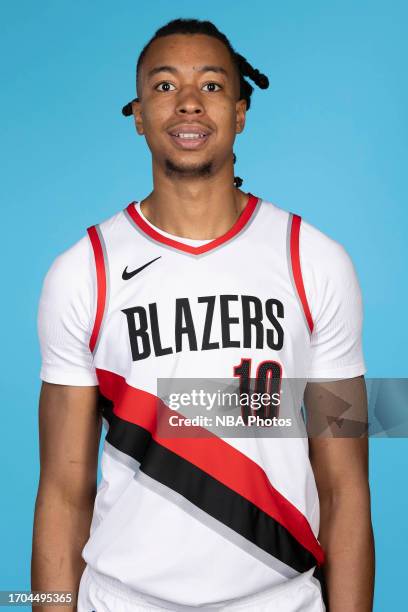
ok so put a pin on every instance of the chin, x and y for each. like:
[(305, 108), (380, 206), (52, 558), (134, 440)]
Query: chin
[(176, 167)]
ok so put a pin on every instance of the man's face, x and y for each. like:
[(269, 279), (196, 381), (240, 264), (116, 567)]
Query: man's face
[(189, 110)]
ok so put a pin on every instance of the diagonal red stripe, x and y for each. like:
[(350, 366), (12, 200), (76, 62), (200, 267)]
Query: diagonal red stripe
[(212, 455)]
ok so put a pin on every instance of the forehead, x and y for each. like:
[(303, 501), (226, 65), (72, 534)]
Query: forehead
[(186, 52)]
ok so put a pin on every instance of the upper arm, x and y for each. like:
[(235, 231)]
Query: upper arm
[(335, 396), (69, 429), (69, 420), (337, 424)]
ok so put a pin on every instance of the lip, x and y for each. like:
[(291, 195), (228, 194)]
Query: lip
[(189, 136)]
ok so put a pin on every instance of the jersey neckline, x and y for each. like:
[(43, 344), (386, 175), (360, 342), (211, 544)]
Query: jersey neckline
[(190, 241), (152, 233)]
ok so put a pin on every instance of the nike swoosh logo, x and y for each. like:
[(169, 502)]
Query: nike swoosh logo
[(127, 275)]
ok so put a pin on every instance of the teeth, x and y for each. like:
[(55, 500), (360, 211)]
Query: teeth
[(191, 136)]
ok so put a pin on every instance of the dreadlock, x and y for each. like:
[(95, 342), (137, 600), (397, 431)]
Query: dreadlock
[(195, 26)]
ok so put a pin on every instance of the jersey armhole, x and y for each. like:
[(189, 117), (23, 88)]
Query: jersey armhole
[(98, 247), (295, 268)]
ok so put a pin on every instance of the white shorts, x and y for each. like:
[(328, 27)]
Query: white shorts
[(98, 593)]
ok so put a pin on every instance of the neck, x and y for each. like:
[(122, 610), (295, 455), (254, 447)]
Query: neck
[(198, 208)]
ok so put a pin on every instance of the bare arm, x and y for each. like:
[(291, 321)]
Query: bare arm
[(70, 427), (339, 458)]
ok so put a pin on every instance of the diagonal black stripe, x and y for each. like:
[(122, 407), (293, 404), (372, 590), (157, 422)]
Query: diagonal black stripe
[(225, 505), (105, 407), (207, 493)]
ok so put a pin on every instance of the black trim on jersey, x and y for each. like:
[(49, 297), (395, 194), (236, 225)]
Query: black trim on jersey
[(205, 492), (320, 576)]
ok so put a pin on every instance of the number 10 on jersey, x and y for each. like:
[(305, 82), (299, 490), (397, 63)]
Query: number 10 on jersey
[(264, 399)]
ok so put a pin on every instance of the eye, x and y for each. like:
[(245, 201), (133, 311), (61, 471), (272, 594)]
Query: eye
[(212, 87), (165, 86)]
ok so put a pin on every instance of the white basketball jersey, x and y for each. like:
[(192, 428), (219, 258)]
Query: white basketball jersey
[(203, 519)]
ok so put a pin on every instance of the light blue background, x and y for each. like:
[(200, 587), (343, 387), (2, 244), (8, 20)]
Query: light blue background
[(327, 140)]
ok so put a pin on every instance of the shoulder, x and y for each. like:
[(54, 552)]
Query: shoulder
[(335, 300), (113, 225), (322, 256), (314, 240), (330, 278), (316, 248), (68, 291), (71, 265), (77, 261), (329, 275), (271, 211)]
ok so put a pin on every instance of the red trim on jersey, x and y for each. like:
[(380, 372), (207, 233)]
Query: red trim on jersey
[(196, 250), (297, 271), (208, 452), (101, 284)]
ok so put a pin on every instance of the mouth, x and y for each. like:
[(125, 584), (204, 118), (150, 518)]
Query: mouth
[(189, 137)]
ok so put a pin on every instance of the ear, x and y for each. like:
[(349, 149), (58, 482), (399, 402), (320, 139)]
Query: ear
[(137, 115), (240, 114)]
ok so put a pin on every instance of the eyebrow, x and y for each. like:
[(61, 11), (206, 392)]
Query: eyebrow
[(219, 69), (173, 70)]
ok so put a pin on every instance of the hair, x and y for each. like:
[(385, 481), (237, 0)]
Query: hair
[(195, 26)]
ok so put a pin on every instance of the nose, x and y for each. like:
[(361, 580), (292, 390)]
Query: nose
[(189, 102)]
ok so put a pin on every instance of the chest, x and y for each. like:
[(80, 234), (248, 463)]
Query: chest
[(201, 316)]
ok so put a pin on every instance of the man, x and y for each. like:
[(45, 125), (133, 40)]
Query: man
[(200, 280)]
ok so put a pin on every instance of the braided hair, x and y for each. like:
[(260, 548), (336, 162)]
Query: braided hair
[(196, 26)]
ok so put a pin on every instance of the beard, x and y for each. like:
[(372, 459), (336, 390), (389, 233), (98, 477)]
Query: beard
[(175, 170)]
